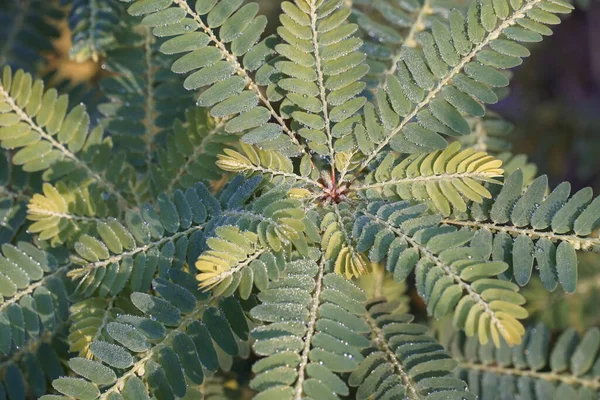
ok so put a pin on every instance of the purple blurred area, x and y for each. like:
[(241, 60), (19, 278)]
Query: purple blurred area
[(555, 101)]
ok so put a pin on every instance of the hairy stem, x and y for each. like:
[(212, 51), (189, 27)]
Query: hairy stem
[(579, 243), (569, 379), (479, 176), (298, 178), (310, 331), (321, 84), (150, 133), (390, 355)]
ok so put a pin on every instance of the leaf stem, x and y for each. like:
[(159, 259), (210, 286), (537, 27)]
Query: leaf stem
[(481, 176), (241, 71), (138, 367), (310, 331), (445, 80), (391, 357), (570, 379), (66, 152), (586, 243), (321, 84)]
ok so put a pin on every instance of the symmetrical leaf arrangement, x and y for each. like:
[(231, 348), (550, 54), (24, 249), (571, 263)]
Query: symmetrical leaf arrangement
[(236, 185)]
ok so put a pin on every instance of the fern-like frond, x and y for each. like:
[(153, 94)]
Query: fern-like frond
[(278, 221), (535, 369), (61, 214), (145, 99), (153, 242), (34, 309), (27, 270), (337, 245), (455, 72), (313, 332), (269, 163), (191, 152), (404, 361), (50, 139), (531, 227), (221, 46), (448, 178), (26, 33), (169, 344), (449, 276), (321, 69), (388, 25), (94, 25), (232, 261), (131, 254)]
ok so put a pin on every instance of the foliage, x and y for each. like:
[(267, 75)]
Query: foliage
[(537, 369), (27, 32), (247, 211), (94, 25)]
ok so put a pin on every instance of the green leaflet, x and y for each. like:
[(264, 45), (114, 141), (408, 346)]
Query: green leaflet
[(95, 27), (217, 69), (308, 314), (442, 68), (569, 356), (447, 178), (553, 220), (448, 274), (389, 367), (51, 139), (178, 348)]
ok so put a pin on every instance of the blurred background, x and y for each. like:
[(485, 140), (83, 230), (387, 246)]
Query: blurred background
[(555, 101)]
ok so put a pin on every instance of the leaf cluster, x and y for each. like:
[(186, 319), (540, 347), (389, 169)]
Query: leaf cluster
[(288, 196)]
